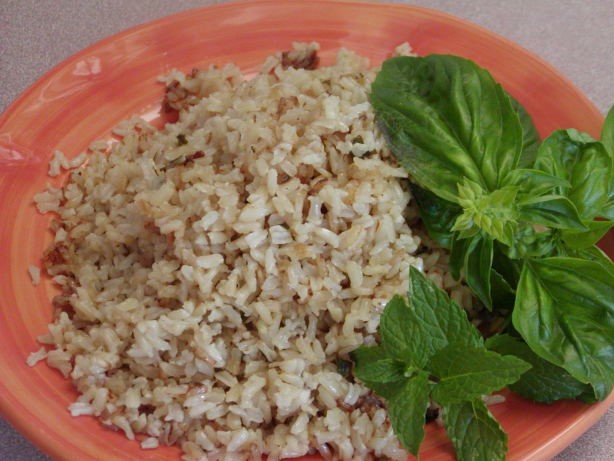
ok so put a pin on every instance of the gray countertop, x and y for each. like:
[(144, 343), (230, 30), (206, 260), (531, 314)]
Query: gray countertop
[(575, 36)]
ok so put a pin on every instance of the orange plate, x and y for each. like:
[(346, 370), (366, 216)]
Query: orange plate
[(83, 98)]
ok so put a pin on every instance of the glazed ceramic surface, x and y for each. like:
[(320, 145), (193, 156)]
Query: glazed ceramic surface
[(84, 97)]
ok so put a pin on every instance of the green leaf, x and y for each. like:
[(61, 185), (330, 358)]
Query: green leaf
[(398, 333), (445, 118), (478, 264), (528, 242), (585, 239), (565, 312), (406, 411), (607, 132), (458, 253), (373, 365), (386, 390), (501, 291), (594, 254), (439, 319), (494, 213), (535, 182), (438, 215), (508, 268), (466, 373), (576, 157), (475, 434), (530, 136), (544, 382), (553, 211)]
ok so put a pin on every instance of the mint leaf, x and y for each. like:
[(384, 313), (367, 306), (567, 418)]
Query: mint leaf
[(414, 333), (475, 434), (406, 410), (544, 382), (466, 373), (435, 319), (372, 365), (398, 332)]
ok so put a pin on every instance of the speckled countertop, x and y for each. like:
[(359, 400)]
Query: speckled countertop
[(575, 36)]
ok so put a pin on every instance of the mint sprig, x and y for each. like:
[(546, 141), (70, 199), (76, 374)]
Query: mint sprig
[(430, 350)]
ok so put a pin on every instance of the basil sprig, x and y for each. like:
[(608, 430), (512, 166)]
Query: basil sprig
[(519, 216), (430, 350)]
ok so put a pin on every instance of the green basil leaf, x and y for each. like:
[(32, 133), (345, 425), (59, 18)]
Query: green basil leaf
[(508, 268), (544, 382), (584, 239), (458, 252), (594, 253), (501, 292), (373, 365), (607, 132), (535, 182), (406, 411), (576, 157), (438, 215), (530, 136), (478, 264), (445, 118), (529, 242), (565, 312), (466, 373), (475, 433), (553, 211), (494, 213)]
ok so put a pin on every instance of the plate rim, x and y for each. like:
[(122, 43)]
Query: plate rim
[(52, 446)]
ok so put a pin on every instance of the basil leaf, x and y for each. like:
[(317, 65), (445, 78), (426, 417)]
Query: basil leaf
[(544, 382), (438, 215), (607, 132), (478, 263), (458, 252), (587, 166), (502, 264), (373, 365), (501, 292), (406, 411), (594, 253), (553, 211), (494, 213), (530, 136), (584, 239), (445, 118), (529, 242), (475, 434), (535, 182), (466, 373), (565, 312)]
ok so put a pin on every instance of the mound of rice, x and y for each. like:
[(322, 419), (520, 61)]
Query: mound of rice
[(216, 273)]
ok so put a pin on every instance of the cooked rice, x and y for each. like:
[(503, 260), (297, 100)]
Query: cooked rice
[(214, 271), (35, 274)]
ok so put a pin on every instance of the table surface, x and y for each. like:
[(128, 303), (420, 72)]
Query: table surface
[(573, 35)]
